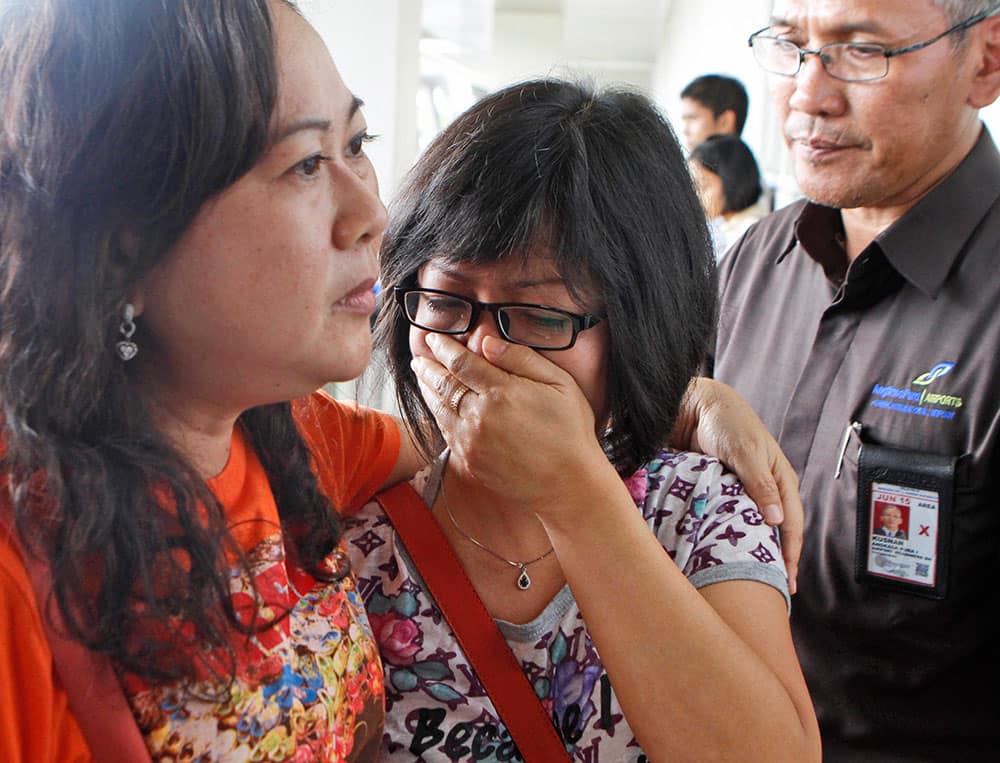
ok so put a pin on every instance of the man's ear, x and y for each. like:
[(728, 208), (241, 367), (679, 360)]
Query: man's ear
[(986, 82), (725, 123)]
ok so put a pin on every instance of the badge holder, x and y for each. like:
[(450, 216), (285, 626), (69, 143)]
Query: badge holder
[(904, 520)]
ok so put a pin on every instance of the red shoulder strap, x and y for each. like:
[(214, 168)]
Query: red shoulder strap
[(92, 688), (474, 628)]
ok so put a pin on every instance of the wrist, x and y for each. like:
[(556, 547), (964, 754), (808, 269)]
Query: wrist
[(683, 434), (594, 498)]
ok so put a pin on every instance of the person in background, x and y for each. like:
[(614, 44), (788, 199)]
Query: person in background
[(728, 182), (554, 293), (862, 325), (717, 105), (712, 104)]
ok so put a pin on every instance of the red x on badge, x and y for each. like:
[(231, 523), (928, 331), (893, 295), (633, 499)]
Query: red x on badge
[(925, 530)]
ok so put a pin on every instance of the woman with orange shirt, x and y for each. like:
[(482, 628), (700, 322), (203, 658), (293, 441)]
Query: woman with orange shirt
[(190, 227)]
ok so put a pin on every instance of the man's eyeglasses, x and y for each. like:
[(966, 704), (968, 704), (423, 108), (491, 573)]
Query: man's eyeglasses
[(847, 61), (537, 326)]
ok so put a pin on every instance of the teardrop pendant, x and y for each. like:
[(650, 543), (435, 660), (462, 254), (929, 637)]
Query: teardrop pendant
[(523, 581)]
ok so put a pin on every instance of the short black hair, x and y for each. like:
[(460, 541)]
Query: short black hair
[(733, 161), (596, 178), (720, 94)]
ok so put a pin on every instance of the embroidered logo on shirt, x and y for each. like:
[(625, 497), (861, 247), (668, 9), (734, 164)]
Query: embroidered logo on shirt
[(941, 369), (919, 402)]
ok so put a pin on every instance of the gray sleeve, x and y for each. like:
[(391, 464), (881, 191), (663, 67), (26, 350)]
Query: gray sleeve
[(711, 529), (761, 573)]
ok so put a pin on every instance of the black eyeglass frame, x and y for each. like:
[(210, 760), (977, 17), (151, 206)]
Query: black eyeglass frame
[(886, 53), (579, 321)]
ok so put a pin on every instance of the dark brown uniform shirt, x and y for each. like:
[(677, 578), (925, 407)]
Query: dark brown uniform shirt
[(814, 345)]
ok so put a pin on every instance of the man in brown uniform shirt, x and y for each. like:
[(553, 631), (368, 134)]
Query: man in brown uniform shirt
[(863, 327)]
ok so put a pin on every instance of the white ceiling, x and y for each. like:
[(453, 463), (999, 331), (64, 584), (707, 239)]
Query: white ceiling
[(591, 34), (624, 29)]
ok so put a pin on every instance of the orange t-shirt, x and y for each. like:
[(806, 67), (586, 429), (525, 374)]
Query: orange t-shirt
[(313, 680)]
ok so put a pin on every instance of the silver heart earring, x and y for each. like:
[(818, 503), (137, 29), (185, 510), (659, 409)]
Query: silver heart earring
[(125, 347)]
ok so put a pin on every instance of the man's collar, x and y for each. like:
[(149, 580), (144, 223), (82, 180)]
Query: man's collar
[(819, 230), (925, 242)]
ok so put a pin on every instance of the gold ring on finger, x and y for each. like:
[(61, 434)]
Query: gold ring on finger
[(456, 397)]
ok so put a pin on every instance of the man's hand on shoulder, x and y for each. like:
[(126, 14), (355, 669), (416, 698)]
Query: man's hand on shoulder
[(715, 420)]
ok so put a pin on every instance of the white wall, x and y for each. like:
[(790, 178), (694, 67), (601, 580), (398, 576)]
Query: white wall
[(374, 44), (991, 116), (522, 45), (527, 44), (710, 37)]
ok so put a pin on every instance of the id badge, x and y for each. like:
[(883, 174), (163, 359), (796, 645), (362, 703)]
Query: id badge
[(904, 520)]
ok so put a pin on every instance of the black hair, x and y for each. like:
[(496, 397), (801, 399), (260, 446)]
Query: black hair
[(732, 160), (720, 94), (120, 118), (596, 179)]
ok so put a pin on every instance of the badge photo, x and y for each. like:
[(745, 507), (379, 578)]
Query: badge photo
[(904, 520)]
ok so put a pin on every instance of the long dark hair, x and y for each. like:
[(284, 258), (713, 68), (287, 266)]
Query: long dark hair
[(120, 118), (598, 180)]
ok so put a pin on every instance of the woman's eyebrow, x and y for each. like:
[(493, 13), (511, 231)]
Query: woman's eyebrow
[(303, 125), (528, 283), (457, 274), (317, 123), (356, 104)]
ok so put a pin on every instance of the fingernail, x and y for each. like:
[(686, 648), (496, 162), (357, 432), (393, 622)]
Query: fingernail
[(497, 346), (433, 341), (416, 364), (772, 514)]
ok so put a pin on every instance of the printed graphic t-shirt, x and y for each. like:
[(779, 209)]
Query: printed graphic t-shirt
[(308, 688), (436, 709)]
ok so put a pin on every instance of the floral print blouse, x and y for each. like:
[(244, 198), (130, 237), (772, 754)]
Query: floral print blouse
[(436, 708), (309, 687)]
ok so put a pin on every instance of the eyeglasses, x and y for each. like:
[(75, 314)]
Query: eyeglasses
[(537, 326), (846, 61)]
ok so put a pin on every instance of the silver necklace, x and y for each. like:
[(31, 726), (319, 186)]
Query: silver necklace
[(523, 579)]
